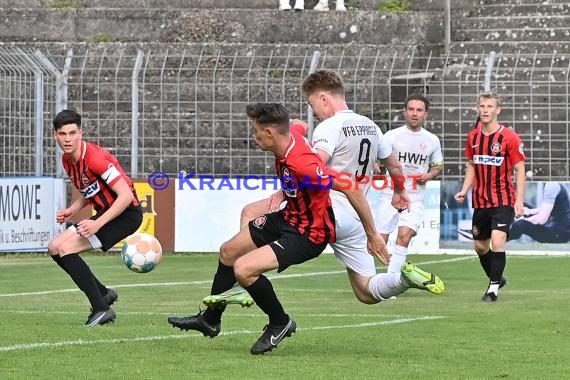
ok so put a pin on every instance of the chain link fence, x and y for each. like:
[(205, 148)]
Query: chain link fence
[(181, 107)]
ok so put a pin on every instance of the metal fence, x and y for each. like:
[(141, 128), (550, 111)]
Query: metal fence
[(28, 98), (181, 108)]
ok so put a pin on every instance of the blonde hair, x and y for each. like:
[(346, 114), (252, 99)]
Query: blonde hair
[(489, 95)]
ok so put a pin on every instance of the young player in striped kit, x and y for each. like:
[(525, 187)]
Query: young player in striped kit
[(493, 151)]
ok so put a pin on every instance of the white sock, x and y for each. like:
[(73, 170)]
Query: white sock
[(299, 4), (284, 4), (493, 288), (397, 259), (385, 285)]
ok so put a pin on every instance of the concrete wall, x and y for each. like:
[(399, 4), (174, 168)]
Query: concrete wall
[(215, 25), (221, 4)]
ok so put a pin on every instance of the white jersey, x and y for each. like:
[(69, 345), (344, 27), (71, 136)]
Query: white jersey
[(417, 153), (354, 143)]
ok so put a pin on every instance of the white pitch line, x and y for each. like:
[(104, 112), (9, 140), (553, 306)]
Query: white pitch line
[(81, 342), (207, 282), (241, 315)]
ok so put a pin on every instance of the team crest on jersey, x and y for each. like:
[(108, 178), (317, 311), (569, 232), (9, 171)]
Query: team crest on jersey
[(259, 222), (423, 147), (84, 179), (496, 148), (475, 231)]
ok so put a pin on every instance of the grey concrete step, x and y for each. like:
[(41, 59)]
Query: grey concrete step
[(530, 9), (539, 34), (512, 22), (240, 25), (510, 47)]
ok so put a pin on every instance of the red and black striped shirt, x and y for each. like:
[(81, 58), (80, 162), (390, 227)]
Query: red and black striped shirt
[(94, 174), (493, 158), (306, 183)]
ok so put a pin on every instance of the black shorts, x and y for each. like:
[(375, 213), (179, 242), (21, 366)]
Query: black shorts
[(289, 245), (125, 224), (485, 220)]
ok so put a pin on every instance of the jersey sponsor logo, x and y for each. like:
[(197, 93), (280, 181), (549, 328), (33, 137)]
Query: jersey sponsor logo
[(320, 140), (496, 148), (412, 158), (487, 160), (501, 225), (90, 190)]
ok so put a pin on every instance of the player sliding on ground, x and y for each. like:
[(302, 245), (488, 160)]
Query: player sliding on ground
[(325, 92), (291, 236)]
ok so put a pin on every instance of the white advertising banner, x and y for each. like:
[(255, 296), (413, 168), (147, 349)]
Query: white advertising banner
[(27, 212), (208, 215), (426, 241)]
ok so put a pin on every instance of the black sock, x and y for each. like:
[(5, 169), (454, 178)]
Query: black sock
[(102, 288), (80, 273), (486, 262), (498, 262), (224, 279), (57, 259), (264, 296)]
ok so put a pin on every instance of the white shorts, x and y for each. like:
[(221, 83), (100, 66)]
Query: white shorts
[(350, 247), (387, 218)]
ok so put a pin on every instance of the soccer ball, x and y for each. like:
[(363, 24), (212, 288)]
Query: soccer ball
[(141, 252)]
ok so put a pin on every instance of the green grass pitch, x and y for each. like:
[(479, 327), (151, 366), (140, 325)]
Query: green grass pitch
[(525, 335)]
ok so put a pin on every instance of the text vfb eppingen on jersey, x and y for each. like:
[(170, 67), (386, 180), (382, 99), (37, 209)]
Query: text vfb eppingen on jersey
[(345, 181)]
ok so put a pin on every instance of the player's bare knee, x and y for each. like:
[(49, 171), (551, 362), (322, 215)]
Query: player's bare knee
[(403, 241), (226, 254), (246, 214), (481, 249), (245, 275), (53, 248)]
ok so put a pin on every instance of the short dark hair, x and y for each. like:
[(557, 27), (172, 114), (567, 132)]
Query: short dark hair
[(323, 80), (419, 97), (66, 117), (266, 114)]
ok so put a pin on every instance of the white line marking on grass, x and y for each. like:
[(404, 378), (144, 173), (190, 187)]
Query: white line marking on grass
[(207, 282), (241, 315), (81, 342)]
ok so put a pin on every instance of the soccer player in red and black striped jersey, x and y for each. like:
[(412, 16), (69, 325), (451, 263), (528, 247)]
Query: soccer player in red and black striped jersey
[(297, 233), (103, 184), (493, 151)]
